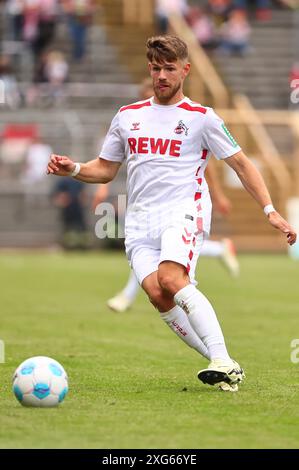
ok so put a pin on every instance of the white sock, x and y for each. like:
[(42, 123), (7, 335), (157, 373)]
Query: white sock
[(178, 321), (132, 287), (211, 248), (203, 320)]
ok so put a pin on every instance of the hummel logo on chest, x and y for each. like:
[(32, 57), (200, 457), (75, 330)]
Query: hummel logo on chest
[(135, 126)]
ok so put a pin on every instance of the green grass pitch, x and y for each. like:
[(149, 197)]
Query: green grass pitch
[(133, 383)]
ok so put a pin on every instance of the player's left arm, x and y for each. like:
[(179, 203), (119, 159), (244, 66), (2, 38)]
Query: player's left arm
[(254, 183)]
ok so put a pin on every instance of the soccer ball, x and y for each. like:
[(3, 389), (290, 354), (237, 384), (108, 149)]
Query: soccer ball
[(40, 381)]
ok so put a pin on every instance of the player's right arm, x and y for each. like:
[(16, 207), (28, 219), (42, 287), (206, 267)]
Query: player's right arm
[(98, 170)]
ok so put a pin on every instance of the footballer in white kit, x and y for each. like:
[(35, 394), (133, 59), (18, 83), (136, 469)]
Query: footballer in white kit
[(166, 142), (166, 150)]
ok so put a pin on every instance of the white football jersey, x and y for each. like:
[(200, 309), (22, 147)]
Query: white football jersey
[(166, 149)]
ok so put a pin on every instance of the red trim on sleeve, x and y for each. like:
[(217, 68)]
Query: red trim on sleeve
[(188, 107), (135, 106)]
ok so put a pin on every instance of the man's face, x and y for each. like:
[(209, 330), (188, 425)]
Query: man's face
[(168, 79)]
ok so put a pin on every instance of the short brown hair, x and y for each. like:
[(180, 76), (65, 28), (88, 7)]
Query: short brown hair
[(166, 48)]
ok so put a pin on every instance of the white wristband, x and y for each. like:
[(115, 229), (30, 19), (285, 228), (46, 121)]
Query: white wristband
[(76, 170), (268, 209)]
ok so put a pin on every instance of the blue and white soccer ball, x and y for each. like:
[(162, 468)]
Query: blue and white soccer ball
[(40, 381)]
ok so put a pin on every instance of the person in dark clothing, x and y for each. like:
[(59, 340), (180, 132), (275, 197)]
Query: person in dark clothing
[(69, 196)]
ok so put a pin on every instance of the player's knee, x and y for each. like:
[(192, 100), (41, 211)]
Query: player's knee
[(172, 277), (170, 282), (158, 299), (154, 294), (166, 280)]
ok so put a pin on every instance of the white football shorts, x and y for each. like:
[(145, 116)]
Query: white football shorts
[(176, 236)]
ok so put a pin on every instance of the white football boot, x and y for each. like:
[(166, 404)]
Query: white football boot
[(226, 374), (119, 303), (224, 387)]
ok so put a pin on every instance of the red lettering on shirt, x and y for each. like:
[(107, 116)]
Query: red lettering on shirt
[(175, 146), (159, 145), (132, 144), (144, 145)]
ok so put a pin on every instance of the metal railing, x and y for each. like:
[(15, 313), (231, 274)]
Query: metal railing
[(138, 11), (291, 3), (265, 146)]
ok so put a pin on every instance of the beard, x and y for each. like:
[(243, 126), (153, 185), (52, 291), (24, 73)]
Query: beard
[(167, 94)]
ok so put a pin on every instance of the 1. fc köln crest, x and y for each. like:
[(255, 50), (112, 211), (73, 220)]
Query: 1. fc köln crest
[(180, 128)]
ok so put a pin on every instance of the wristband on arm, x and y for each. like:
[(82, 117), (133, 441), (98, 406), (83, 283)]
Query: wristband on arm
[(76, 170), (268, 209)]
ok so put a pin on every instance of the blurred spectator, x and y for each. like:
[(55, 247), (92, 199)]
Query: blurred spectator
[(40, 69), (33, 94), (56, 68), (219, 11), (262, 7), (203, 27), (165, 8), (36, 160), (12, 95), (49, 79), (56, 72), (69, 196), (39, 24), (31, 21), (235, 33), (79, 14), (294, 86), (14, 144), (294, 73), (46, 25), (14, 10)]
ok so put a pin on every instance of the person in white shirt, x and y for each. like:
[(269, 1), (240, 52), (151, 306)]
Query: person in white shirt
[(166, 142), (36, 158), (165, 8), (223, 249)]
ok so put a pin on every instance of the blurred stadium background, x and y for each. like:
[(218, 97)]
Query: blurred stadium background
[(59, 93)]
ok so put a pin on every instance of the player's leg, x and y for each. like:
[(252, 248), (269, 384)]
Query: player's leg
[(229, 257), (173, 278), (124, 299), (224, 250), (144, 258), (211, 248), (202, 317), (177, 261), (172, 314)]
